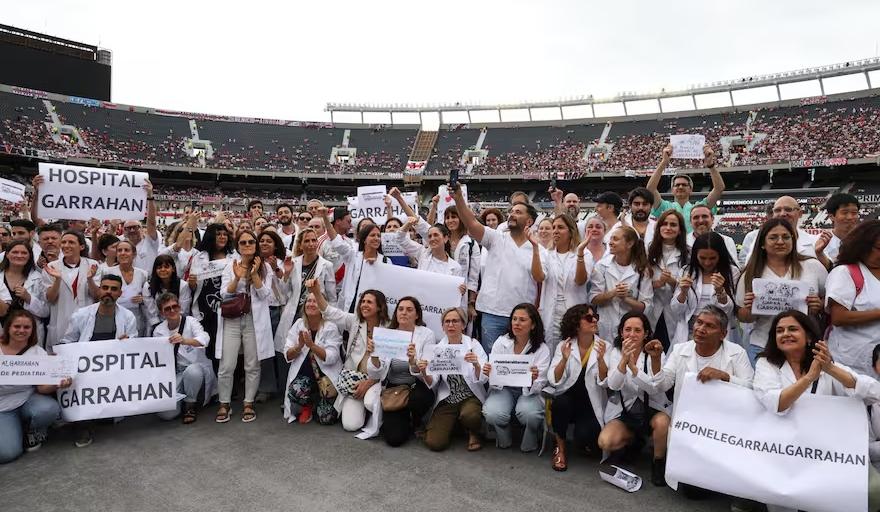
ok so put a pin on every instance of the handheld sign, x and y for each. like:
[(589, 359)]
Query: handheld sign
[(379, 215), (513, 370), (390, 245), (445, 199), (390, 344), (688, 147), (77, 192), (35, 370), (372, 199), (446, 359), (11, 191), (774, 296)]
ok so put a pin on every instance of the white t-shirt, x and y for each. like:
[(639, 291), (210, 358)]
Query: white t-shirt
[(853, 345), (833, 248), (507, 276), (147, 250)]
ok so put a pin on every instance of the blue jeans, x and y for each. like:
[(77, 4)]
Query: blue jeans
[(499, 408), (493, 327), (33, 416)]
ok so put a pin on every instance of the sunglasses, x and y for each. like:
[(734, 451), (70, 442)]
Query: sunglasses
[(591, 317), (247, 242), (171, 308), (304, 217)]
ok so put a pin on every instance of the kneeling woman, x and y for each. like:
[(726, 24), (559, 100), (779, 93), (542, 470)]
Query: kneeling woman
[(312, 349), (194, 370), (525, 335), (633, 410), (578, 397), (25, 411), (460, 397), (358, 393)]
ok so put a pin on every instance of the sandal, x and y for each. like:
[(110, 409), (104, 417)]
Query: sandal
[(223, 413), (474, 444), (248, 414), (559, 461), (189, 414)]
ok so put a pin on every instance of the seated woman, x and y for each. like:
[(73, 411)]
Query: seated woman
[(633, 411), (358, 393), (25, 411), (577, 397), (525, 335), (459, 397), (312, 349), (195, 373), (397, 425)]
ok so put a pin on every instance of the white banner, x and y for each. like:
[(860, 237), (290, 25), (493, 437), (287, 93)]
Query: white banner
[(689, 147), (119, 378), (774, 296), (446, 199), (77, 192), (446, 359), (372, 197), (436, 292), (11, 191), (814, 458), (35, 370), (514, 370), (379, 215), (391, 344)]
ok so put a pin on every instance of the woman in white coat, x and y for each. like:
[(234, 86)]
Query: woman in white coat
[(565, 281), (68, 284), (246, 274), (634, 408), (195, 373), (795, 361), (437, 256), (621, 283), (21, 285), (365, 392), (708, 280), (525, 335), (163, 279), (369, 250), (133, 281), (667, 254), (458, 397), (466, 251), (874, 417), (312, 349), (573, 378)]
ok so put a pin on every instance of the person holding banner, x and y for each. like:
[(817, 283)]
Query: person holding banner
[(245, 324), (634, 409), (525, 335), (163, 279), (195, 374), (21, 285), (25, 411), (775, 257), (667, 254), (683, 186), (564, 285), (69, 285), (133, 282), (312, 347), (574, 383), (708, 278), (203, 276), (147, 248), (621, 283)]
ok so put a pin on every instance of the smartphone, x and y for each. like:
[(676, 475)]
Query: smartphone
[(453, 178), (552, 181)]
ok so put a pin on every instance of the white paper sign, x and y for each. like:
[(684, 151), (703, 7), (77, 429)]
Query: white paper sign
[(77, 192), (390, 245), (391, 344), (213, 268), (814, 458), (435, 292), (774, 296), (446, 199), (119, 378), (626, 480), (372, 197), (514, 370), (446, 359), (688, 147), (35, 370), (11, 191), (380, 216)]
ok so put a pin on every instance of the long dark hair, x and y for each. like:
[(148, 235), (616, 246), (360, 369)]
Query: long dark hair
[(104, 243), (536, 337), (655, 250), (208, 243), (280, 252), (857, 245), (28, 267), (445, 232), (364, 232), (418, 306), (775, 356), (646, 325), (156, 283), (758, 260), (10, 317), (712, 240), (452, 211), (381, 304)]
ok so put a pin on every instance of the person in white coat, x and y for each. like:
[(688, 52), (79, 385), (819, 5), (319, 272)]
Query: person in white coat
[(195, 374), (668, 253), (68, 284), (635, 411), (163, 279), (247, 275), (133, 281), (874, 417), (437, 256), (458, 397), (525, 335), (621, 282), (796, 361), (312, 348), (565, 282), (466, 251), (573, 381), (708, 279), (365, 392), (21, 285)]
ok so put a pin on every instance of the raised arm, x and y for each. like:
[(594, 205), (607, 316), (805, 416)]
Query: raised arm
[(717, 181), (654, 180), (37, 181), (152, 232), (466, 215)]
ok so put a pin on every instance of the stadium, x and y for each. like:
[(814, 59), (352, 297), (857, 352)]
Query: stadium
[(771, 139)]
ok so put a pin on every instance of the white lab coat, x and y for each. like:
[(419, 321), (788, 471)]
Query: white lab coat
[(328, 338), (291, 286), (604, 277), (598, 395), (139, 279), (770, 380), (188, 354), (561, 268), (61, 311), (354, 262), (477, 385), (82, 324), (663, 296), (421, 337), (38, 306), (259, 310), (631, 387), (540, 358), (683, 312), (184, 299)]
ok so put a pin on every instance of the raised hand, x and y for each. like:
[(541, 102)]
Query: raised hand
[(717, 281), (654, 348), (566, 349), (821, 352), (822, 241), (709, 154), (487, 369), (238, 270)]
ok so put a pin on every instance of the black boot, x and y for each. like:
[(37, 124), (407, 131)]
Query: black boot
[(658, 472)]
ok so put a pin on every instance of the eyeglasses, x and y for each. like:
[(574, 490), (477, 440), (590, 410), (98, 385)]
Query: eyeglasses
[(171, 308), (777, 238), (452, 321), (591, 317), (681, 185), (247, 242)]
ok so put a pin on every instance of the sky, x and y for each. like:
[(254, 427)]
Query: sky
[(287, 60)]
